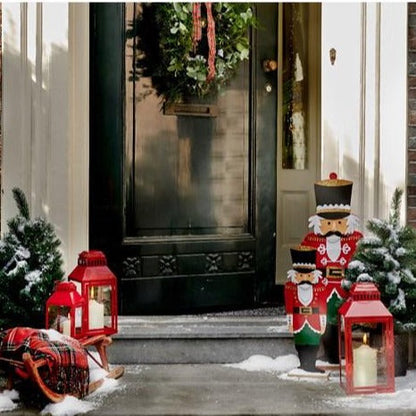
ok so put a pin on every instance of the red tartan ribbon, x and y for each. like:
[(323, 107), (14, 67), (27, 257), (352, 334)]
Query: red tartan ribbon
[(197, 27), (197, 35)]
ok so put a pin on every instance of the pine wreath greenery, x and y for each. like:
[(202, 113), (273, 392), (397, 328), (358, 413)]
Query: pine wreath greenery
[(388, 258), (163, 35), (30, 263)]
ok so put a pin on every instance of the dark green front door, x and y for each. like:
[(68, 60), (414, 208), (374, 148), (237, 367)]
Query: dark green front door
[(183, 205)]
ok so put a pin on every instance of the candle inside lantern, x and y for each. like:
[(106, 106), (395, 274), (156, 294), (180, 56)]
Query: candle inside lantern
[(95, 313), (66, 326), (364, 365)]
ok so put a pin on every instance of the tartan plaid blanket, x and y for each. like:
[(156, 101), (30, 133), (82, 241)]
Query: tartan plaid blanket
[(67, 370)]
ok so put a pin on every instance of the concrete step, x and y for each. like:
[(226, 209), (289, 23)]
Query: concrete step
[(198, 339)]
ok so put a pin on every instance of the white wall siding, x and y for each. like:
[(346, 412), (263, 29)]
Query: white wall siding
[(45, 116), (364, 100)]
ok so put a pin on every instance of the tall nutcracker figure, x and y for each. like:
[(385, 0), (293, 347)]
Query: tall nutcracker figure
[(335, 237), (305, 301)]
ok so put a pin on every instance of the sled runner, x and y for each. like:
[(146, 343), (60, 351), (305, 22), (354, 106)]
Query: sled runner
[(57, 369)]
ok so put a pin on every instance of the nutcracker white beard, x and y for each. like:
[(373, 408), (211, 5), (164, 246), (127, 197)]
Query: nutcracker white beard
[(333, 247), (305, 293)]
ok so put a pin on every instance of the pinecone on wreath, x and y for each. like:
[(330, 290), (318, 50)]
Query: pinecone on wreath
[(30, 263)]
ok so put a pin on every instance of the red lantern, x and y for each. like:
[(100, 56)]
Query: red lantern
[(98, 285), (64, 310), (366, 339)]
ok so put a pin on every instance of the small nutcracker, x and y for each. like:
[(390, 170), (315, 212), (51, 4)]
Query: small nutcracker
[(305, 301)]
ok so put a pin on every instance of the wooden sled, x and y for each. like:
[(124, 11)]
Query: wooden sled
[(29, 368)]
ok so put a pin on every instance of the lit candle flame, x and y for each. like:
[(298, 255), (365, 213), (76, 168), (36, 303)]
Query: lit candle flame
[(365, 341)]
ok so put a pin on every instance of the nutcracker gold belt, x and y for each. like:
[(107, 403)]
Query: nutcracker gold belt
[(334, 272), (305, 310)]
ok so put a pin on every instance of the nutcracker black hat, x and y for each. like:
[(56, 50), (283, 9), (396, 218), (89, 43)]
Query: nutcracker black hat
[(333, 197), (303, 259)]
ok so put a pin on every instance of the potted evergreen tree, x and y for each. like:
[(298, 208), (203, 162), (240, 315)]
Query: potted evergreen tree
[(388, 258), (30, 263)]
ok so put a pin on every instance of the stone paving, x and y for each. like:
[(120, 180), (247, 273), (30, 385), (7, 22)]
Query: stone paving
[(213, 390)]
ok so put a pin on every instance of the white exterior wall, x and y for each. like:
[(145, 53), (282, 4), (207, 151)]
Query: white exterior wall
[(45, 117), (364, 101)]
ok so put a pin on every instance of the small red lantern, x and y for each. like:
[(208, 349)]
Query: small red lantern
[(64, 310), (98, 285), (366, 338)]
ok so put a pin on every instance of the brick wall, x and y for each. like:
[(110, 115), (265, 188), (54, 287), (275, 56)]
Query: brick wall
[(411, 79)]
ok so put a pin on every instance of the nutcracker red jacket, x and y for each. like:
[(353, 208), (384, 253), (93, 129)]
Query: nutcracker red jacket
[(302, 312)]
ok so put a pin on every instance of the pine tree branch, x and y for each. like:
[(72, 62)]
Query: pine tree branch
[(21, 202), (396, 202)]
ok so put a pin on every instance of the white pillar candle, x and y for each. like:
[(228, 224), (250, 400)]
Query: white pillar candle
[(95, 314), (364, 366)]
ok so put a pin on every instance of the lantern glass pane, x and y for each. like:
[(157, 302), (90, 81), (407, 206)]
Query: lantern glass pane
[(95, 308), (106, 300), (78, 320), (59, 319), (369, 364)]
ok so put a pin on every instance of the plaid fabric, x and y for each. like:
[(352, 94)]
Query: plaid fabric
[(67, 369)]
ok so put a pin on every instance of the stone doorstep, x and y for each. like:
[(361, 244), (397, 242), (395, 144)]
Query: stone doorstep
[(198, 339)]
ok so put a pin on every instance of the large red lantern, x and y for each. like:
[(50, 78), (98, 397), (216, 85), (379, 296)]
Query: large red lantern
[(98, 285), (64, 310), (366, 342)]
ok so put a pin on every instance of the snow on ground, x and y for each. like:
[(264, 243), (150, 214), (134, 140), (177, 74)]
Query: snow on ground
[(70, 406), (285, 368), (8, 399), (280, 364), (403, 398)]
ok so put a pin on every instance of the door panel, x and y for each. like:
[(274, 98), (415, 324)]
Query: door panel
[(194, 226)]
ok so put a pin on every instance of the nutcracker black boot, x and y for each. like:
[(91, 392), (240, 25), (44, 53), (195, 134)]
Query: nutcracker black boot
[(307, 357), (330, 344)]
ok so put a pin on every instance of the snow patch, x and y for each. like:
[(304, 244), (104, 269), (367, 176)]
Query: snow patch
[(279, 364), (297, 374), (401, 251), (70, 406), (33, 277), (109, 385), (277, 329), (8, 399)]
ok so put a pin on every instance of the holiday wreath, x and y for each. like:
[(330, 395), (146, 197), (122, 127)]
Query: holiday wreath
[(193, 49)]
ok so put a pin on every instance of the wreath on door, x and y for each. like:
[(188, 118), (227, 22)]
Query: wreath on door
[(190, 49)]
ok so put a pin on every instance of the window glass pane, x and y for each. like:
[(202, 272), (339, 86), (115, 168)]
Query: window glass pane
[(295, 78), (189, 173)]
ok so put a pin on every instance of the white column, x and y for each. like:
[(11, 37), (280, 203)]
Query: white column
[(45, 116), (364, 101)]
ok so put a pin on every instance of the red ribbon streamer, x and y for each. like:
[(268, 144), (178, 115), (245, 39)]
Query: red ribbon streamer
[(197, 27), (197, 35)]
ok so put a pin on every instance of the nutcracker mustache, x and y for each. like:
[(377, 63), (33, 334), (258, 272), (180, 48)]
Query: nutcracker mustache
[(329, 233), (305, 282)]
